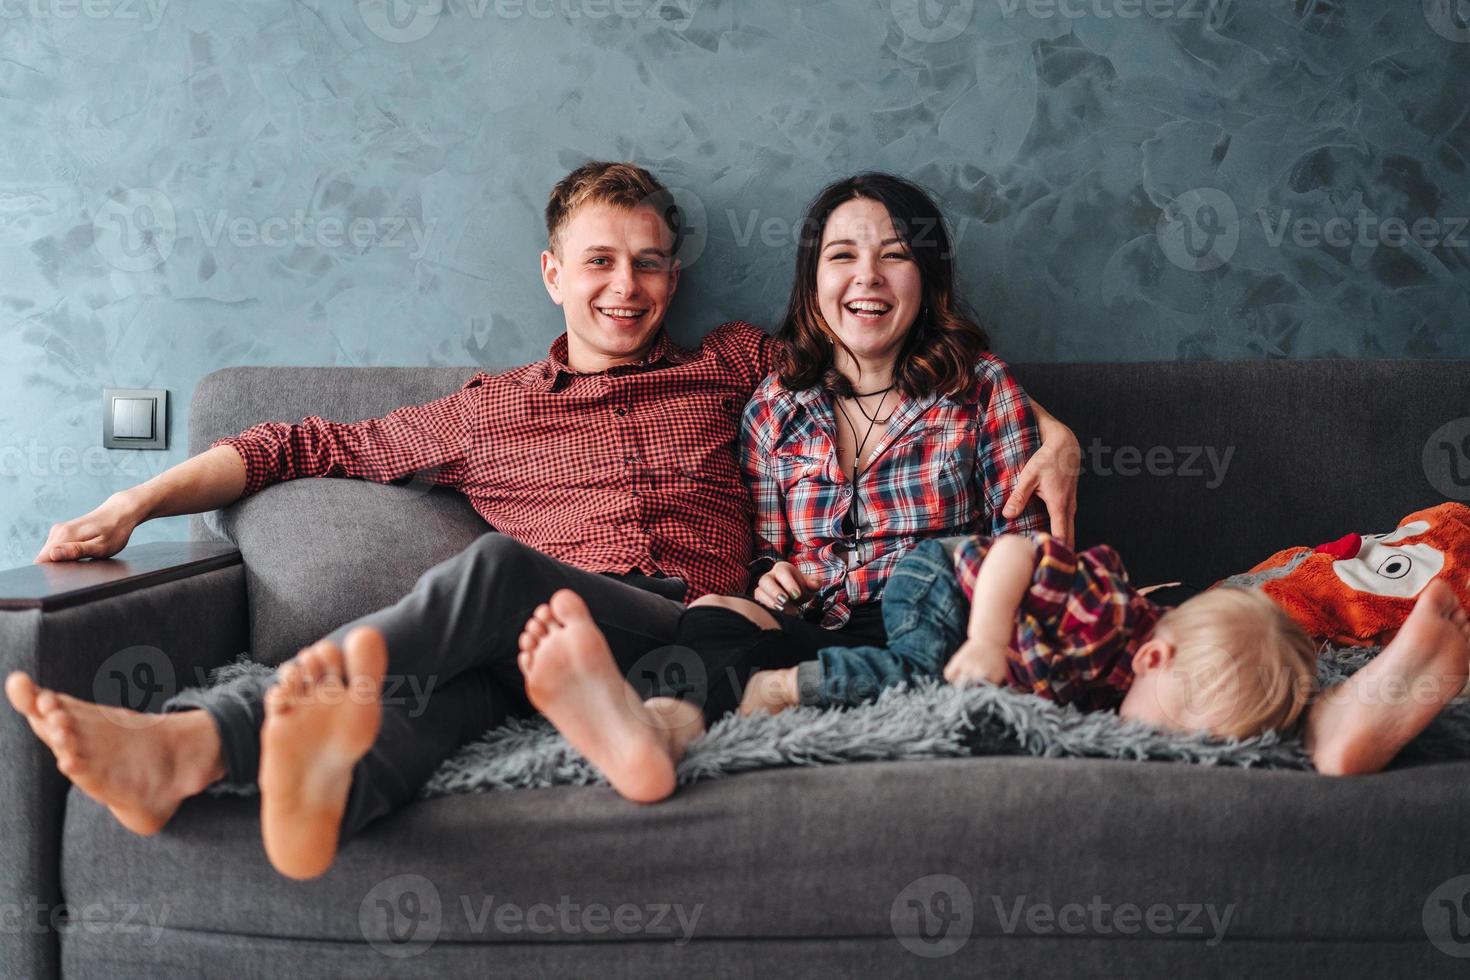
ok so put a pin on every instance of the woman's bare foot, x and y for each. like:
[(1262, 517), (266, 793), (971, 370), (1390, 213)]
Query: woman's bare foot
[(572, 679), (1360, 725), (320, 718), (141, 767)]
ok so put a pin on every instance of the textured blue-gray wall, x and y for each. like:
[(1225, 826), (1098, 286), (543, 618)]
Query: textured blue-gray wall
[(189, 186)]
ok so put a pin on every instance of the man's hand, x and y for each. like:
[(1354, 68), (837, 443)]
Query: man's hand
[(771, 691), (1051, 473), (783, 588), (975, 662), (101, 534)]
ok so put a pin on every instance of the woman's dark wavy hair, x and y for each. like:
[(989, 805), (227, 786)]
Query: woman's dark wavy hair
[(942, 349)]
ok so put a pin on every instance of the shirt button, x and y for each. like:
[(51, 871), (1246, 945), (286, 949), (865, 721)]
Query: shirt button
[(620, 412), (631, 458)]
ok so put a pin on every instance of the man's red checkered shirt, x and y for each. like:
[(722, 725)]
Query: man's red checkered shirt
[(632, 469)]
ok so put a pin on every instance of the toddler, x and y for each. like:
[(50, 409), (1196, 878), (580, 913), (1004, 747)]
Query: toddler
[(1069, 627), (1030, 613)]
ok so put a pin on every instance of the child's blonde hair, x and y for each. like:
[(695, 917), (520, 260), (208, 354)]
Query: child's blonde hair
[(1244, 659)]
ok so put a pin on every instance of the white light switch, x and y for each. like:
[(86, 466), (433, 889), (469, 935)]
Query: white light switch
[(132, 418), (142, 418), (122, 418)]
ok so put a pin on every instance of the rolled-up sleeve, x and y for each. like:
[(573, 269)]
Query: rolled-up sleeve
[(426, 442), (1008, 438)]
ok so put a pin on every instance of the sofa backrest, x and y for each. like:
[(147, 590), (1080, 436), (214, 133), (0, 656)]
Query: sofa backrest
[(233, 399), (1193, 470), (1315, 449), (321, 553)]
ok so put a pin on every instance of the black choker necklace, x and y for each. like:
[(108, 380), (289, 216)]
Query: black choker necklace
[(870, 394)]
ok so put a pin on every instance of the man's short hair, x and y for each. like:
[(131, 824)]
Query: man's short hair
[(623, 185)]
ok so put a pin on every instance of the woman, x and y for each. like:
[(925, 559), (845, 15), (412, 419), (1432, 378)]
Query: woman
[(887, 422)]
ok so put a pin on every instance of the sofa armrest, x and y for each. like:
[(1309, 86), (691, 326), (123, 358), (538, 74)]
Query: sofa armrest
[(132, 630)]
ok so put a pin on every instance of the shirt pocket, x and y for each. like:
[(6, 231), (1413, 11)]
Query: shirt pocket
[(810, 494), (698, 441), (934, 469)]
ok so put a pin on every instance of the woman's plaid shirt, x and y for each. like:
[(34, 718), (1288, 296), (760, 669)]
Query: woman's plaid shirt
[(943, 466)]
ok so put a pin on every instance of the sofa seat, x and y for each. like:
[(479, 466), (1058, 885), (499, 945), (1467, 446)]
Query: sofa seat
[(798, 872)]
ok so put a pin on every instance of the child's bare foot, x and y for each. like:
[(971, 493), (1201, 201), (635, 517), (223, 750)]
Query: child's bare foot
[(572, 679), (1360, 725), (141, 767), (770, 692), (320, 718)]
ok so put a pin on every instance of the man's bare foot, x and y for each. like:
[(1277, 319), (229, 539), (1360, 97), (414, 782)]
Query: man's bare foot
[(1360, 725), (572, 679), (320, 718), (141, 767)]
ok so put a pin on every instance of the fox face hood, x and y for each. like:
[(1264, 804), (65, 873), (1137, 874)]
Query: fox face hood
[(1358, 590)]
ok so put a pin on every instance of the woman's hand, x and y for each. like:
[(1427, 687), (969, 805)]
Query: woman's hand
[(1051, 474), (783, 587), (100, 534)]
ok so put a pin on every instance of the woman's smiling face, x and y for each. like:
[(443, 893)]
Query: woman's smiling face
[(869, 288)]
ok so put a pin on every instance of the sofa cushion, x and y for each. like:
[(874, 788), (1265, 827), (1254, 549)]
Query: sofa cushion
[(830, 854), (320, 553)]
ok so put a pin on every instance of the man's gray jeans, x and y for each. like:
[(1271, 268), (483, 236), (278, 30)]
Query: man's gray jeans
[(452, 672)]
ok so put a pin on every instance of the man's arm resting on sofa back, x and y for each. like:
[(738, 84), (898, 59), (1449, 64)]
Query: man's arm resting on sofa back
[(427, 441), (213, 479)]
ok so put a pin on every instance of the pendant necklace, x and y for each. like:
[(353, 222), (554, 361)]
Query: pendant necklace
[(850, 521)]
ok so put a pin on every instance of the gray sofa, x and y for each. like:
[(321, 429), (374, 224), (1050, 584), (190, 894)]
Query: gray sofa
[(1010, 866)]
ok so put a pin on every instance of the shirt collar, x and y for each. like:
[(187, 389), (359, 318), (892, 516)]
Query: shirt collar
[(806, 396), (664, 351)]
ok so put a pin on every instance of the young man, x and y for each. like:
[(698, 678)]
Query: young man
[(580, 461)]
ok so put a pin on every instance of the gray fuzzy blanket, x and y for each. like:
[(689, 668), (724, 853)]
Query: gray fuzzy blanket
[(930, 721)]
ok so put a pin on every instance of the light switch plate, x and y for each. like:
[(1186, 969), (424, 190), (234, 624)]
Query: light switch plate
[(135, 418)]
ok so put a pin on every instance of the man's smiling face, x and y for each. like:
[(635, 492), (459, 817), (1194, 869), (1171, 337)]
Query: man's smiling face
[(613, 274)]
